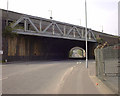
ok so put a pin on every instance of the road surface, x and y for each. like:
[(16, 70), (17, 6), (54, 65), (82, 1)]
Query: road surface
[(49, 77)]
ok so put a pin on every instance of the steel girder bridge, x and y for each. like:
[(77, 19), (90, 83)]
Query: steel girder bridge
[(30, 25)]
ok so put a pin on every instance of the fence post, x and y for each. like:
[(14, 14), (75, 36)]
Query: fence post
[(97, 59), (102, 64), (95, 52)]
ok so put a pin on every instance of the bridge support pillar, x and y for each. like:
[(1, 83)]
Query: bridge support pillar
[(91, 47)]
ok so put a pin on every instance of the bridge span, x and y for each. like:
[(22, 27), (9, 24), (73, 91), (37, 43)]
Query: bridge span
[(36, 38)]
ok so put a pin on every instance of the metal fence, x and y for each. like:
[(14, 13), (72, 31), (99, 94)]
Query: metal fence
[(107, 65)]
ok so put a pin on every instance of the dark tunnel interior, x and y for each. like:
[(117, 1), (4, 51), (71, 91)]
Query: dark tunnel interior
[(46, 48)]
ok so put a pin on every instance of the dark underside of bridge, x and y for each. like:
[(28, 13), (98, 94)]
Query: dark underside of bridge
[(24, 47)]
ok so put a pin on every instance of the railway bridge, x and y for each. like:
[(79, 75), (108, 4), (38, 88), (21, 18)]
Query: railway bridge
[(26, 37)]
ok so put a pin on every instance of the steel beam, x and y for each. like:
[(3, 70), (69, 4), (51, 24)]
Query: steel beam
[(17, 22), (70, 31), (62, 30), (92, 35), (74, 32), (59, 28), (52, 36), (53, 29), (25, 25), (82, 32), (47, 28), (40, 26), (32, 24), (78, 31)]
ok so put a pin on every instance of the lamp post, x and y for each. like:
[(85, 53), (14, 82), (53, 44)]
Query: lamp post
[(50, 14), (7, 4), (80, 22), (102, 28), (86, 34), (7, 12)]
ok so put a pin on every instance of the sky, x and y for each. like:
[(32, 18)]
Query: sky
[(101, 14)]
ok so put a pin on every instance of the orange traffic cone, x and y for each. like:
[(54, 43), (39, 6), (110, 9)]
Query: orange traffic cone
[(96, 83)]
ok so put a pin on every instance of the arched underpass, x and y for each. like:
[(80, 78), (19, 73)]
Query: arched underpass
[(77, 52), (26, 47)]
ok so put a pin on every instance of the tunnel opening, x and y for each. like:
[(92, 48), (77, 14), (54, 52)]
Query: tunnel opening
[(77, 53)]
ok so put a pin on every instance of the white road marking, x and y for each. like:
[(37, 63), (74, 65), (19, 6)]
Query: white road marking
[(3, 65), (0, 93), (74, 66), (3, 78), (64, 76), (78, 62)]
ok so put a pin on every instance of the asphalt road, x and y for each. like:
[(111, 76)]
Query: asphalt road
[(50, 77)]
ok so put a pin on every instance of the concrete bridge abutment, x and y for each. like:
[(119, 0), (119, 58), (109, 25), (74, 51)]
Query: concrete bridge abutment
[(26, 47)]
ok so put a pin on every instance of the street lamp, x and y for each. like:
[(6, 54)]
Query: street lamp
[(50, 14), (80, 22), (102, 28), (86, 34), (7, 4), (7, 12)]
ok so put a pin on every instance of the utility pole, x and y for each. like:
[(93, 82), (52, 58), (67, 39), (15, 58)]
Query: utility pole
[(86, 34)]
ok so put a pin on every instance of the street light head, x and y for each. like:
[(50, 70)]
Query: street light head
[(51, 17)]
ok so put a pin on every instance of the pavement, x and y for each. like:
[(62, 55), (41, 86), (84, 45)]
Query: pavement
[(78, 82), (51, 77)]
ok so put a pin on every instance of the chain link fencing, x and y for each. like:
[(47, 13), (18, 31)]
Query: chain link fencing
[(107, 66)]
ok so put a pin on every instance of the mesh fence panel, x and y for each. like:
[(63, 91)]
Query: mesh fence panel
[(107, 65)]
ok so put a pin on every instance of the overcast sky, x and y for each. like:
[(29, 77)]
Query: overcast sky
[(100, 12)]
